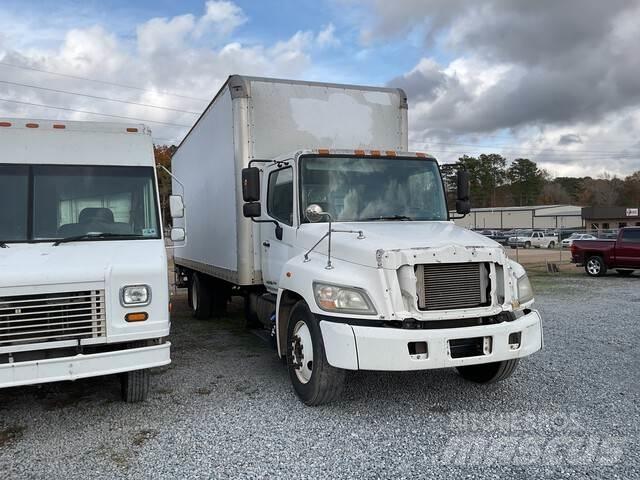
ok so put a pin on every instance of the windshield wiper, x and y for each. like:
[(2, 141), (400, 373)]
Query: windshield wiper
[(3, 245), (90, 236), (391, 217)]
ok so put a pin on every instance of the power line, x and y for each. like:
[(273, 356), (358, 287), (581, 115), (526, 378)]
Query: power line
[(94, 113), (97, 97), (511, 148), (76, 77)]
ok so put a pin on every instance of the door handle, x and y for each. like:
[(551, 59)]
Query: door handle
[(266, 244)]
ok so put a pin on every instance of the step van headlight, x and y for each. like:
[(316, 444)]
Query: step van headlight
[(135, 295), (336, 298)]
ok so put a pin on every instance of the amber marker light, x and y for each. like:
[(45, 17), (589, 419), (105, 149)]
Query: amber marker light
[(136, 317)]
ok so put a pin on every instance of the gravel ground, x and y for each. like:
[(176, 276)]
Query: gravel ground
[(225, 408)]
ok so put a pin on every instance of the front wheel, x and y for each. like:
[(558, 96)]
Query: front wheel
[(489, 372), (314, 380), (135, 386), (595, 266)]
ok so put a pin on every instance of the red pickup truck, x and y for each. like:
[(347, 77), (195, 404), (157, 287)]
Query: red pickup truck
[(622, 254)]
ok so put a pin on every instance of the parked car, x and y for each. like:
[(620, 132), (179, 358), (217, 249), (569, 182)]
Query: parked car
[(533, 238), (622, 254), (567, 242)]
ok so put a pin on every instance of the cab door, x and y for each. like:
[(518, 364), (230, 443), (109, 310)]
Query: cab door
[(628, 249), (277, 237)]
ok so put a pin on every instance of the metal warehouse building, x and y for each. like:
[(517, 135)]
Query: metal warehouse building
[(537, 216)]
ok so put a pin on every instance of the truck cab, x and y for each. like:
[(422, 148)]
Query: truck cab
[(83, 267), (369, 273)]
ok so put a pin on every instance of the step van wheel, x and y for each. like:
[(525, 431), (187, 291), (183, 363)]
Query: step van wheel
[(595, 266), (488, 372), (200, 297), (135, 385), (314, 380)]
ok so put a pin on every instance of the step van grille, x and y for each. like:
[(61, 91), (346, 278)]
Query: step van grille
[(39, 318), (443, 286)]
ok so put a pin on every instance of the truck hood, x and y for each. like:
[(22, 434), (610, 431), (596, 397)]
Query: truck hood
[(78, 262), (388, 235)]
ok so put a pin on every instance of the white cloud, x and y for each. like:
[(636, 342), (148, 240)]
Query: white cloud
[(223, 16), (327, 38), (164, 55)]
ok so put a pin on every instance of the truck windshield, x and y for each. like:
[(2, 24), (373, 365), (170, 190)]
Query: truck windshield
[(53, 202), (373, 188)]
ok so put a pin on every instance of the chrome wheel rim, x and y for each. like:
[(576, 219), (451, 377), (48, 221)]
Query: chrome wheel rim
[(593, 267), (302, 352)]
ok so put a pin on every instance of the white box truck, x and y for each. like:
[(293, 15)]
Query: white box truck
[(83, 267), (303, 198)]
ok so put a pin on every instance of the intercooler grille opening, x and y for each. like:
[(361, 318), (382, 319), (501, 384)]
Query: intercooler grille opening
[(38, 318), (444, 286)]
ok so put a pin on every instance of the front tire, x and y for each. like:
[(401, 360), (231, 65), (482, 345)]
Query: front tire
[(135, 386), (314, 380), (595, 266), (489, 372)]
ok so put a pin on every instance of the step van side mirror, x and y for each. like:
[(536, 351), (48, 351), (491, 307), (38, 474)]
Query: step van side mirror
[(463, 204)]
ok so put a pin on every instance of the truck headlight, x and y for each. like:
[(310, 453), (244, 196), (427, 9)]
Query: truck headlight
[(525, 291), (135, 295), (335, 298)]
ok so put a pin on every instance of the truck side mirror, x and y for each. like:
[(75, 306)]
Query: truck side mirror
[(177, 235), (252, 210), (176, 206), (463, 205), (251, 184)]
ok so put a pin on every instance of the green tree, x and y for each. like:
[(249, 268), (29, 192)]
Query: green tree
[(487, 172), (526, 180)]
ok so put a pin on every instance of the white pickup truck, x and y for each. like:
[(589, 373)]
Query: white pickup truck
[(533, 238), (83, 267), (303, 198)]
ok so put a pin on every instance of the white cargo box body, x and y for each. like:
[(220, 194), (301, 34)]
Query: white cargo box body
[(262, 118)]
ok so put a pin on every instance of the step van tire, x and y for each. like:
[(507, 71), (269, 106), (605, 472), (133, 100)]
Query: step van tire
[(489, 372), (315, 382), (135, 385)]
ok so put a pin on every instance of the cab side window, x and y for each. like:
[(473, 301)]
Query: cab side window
[(631, 236), (280, 195)]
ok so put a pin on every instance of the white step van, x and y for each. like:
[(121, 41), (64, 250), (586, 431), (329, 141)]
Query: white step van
[(303, 198), (83, 266)]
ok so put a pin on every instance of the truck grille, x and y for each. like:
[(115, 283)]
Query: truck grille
[(443, 286), (52, 316)]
